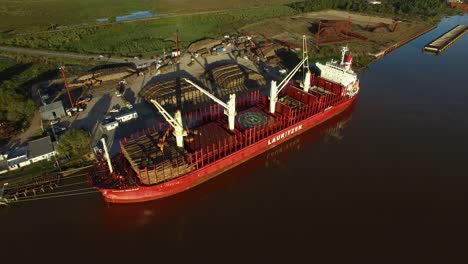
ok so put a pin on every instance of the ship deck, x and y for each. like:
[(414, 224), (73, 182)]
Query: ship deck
[(209, 138), (156, 164)]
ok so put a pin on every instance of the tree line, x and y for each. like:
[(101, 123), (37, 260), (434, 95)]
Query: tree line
[(410, 8)]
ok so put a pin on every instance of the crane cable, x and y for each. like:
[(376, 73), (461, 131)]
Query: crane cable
[(54, 195), (50, 197), (60, 194), (62, 179), (69, 177), (70, 184)]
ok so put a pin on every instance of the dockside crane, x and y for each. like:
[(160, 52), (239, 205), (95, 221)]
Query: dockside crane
[(229, 107), (62, 72), (175, 122), (275, 89)]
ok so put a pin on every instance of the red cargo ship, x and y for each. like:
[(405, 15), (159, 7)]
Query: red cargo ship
[(152, 166)]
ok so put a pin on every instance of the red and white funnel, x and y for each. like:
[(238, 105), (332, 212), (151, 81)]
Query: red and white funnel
[(348, 62)]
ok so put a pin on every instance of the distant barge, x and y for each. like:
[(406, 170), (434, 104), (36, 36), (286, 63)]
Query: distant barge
[(153, 164), (447, 39)]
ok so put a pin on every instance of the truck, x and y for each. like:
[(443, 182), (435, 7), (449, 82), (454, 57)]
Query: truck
[(125, 117)]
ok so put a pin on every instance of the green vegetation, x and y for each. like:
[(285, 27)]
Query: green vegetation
[(15, 90), (18, 73), (76, 162), (33, 15), (402, 8), (73, 144), (28, 172), (147, 37)]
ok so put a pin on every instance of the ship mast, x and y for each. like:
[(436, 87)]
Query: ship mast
[(343, 53), (230, 106)]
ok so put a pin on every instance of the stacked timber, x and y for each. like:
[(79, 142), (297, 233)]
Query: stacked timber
[(169, 92), (113, 73), (204, 46), (153, 164), (231, 78), (104, 73), (228, 76)]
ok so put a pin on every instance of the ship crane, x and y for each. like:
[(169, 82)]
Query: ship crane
[(175, 122), (275, 89), (230, 106), (106, 155)]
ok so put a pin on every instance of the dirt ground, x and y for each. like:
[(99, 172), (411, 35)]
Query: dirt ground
[(355, 18), (291, 29)]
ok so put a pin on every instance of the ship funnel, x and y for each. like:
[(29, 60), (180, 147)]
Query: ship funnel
[(106, 155), (348, 62)]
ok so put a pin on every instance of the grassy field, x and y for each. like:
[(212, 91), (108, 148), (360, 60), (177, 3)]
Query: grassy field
[(147, 37), (30, 15)]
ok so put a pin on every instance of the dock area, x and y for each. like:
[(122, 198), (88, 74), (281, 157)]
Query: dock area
[(445, 40)]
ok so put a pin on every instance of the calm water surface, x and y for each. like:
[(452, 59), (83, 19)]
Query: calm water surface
[(385, 182)]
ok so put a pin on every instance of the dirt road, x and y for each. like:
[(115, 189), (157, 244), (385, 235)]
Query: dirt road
[(69, 55)]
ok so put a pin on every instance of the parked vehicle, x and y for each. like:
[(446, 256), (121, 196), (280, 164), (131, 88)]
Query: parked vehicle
[(59, 128), (115, 109)]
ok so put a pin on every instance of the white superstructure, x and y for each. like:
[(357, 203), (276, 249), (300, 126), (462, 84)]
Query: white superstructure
[(341, 73)]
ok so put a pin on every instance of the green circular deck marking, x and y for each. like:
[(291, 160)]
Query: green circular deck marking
[(252, 119)]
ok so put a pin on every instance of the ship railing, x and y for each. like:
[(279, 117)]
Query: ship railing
[(247, 137), (170, 169)]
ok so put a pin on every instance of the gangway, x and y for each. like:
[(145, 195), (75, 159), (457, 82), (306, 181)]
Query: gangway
[(230, 106), (175, 122), (276, 89)]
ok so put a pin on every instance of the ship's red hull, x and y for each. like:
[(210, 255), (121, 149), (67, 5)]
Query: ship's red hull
[(148, 193)]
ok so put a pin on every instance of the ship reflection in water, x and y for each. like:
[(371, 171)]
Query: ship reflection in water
[(331, 131), (128, 216)]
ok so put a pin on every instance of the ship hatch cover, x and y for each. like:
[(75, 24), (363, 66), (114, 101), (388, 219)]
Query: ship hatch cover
[(252, 119)]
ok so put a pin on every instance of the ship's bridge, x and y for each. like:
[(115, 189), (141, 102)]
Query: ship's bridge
[(336, 74)]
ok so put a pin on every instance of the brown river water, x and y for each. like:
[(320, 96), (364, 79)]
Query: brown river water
[(384, 182)]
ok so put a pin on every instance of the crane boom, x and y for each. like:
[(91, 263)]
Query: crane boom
[(106, 155), (62, 72), (214, 98), (275, 89), (230, 106), (290, 75), (172, 121), (175, 122)]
